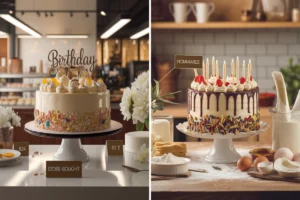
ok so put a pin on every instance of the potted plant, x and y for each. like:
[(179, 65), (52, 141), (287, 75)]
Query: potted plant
[(8, 119), (291, 75)]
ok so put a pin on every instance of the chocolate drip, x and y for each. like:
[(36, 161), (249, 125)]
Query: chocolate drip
[(217, 96), (208, 97), (195, 95), (242, 101), (250, 93)]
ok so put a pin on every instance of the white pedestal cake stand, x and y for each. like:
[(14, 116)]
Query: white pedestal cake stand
[(222, 150), (71, 148)]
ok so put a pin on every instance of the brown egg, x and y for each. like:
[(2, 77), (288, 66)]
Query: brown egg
[(259, 159), (244, 163)]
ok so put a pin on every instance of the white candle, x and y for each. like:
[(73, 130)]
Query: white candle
[(207, 68), (232, 70), (203, 70), (237, 68), (244, 68), (162, 127), (248, 73), (224, 72), (217, 69), (213, 65)]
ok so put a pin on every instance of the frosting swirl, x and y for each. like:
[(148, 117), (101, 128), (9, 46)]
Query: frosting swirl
[(61, 88), (220, 89), (212, 80), (101, 87), (240, 87), (247, 86), (231, 88), (73, 86), (64, 80), (201, 87), (253, 84), (194, 85), (83, 89), (93, 88), (210, 88)]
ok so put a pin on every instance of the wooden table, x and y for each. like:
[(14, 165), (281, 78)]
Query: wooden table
[(215, 183)]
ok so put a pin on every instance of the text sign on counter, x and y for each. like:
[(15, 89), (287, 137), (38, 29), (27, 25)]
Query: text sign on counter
[(188, 62), (63, 169), (114, 147), (23, 147)]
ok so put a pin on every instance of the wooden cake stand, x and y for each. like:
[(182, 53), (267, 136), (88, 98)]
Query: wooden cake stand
[(222, 151), (71, 148)]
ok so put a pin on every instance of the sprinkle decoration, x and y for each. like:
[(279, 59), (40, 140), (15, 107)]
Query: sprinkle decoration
[(224, 124), (55, 120)]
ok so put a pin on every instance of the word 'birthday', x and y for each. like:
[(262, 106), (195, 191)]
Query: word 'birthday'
[(70, 59)]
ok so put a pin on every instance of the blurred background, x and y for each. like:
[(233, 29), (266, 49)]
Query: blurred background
[(265, 31), (64, 25)]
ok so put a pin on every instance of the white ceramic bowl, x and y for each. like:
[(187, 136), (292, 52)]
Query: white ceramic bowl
[(170, 169), (282, 164), (265, 167)]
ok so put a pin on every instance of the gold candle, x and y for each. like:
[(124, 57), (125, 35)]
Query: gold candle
[(232, 70), (224, 72), (248, 75), (237, 69), (207, 68), (244, 69), (203, 69), (217, 69), (213, 65), (250, 69)]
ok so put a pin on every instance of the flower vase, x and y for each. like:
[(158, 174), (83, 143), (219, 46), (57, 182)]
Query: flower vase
[(6, 137)]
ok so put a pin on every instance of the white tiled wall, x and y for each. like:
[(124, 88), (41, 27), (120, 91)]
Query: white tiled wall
[(269, 50)]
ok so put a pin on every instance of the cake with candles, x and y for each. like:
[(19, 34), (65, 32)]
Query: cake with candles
[(72, 102), (223, 104)]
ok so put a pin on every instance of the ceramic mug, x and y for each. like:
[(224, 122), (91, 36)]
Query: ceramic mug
[(202, 11), (180, 11)]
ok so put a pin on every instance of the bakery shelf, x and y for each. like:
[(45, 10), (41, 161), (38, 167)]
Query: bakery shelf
[(7, 89), (18, 106), (28, 75), (224, 25)]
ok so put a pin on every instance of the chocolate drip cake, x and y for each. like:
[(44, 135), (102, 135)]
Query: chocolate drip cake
[(229, 105)]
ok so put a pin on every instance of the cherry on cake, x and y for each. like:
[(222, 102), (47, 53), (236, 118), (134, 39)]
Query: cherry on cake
[(72, 104), (223, 104)]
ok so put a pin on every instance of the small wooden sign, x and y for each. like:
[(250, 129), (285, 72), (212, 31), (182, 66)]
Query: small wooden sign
[(63, 169), (23, 147), (114, 147), (188, 62)]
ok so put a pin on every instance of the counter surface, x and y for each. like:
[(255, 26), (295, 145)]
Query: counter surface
[(228, 179), (99, 171)]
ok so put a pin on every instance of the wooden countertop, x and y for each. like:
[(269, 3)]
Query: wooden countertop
[(230, 179), (180, 111)]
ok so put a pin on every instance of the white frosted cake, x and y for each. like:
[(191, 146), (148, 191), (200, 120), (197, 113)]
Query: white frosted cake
[(76, 105), (229, 105), (135, 140)]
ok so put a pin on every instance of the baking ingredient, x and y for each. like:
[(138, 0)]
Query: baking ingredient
[(258, 160), (296, 157), (283, 153), (287, 168), (265, 167), (167, 159), (244, 163)]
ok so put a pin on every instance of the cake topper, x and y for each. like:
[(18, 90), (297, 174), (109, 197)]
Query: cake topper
[(70, 60)]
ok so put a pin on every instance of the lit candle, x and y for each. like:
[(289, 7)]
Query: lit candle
[(237, 68), (207, 68), (203, 70), (232, 70), (244, 69), (217, 69), (213, 65), (224, 72)]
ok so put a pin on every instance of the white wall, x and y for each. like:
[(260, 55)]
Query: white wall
[(269, 50), (33, 50)]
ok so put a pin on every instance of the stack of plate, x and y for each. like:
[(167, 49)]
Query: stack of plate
[(5, 161)]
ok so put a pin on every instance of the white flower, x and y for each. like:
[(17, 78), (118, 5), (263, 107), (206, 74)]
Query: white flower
[(16, 120), (4, 118), (142, 81), (143, 154), (140, 105), (126, 104)]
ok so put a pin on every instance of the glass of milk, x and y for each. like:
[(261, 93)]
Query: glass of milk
[(285, 130), (163, 126)]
